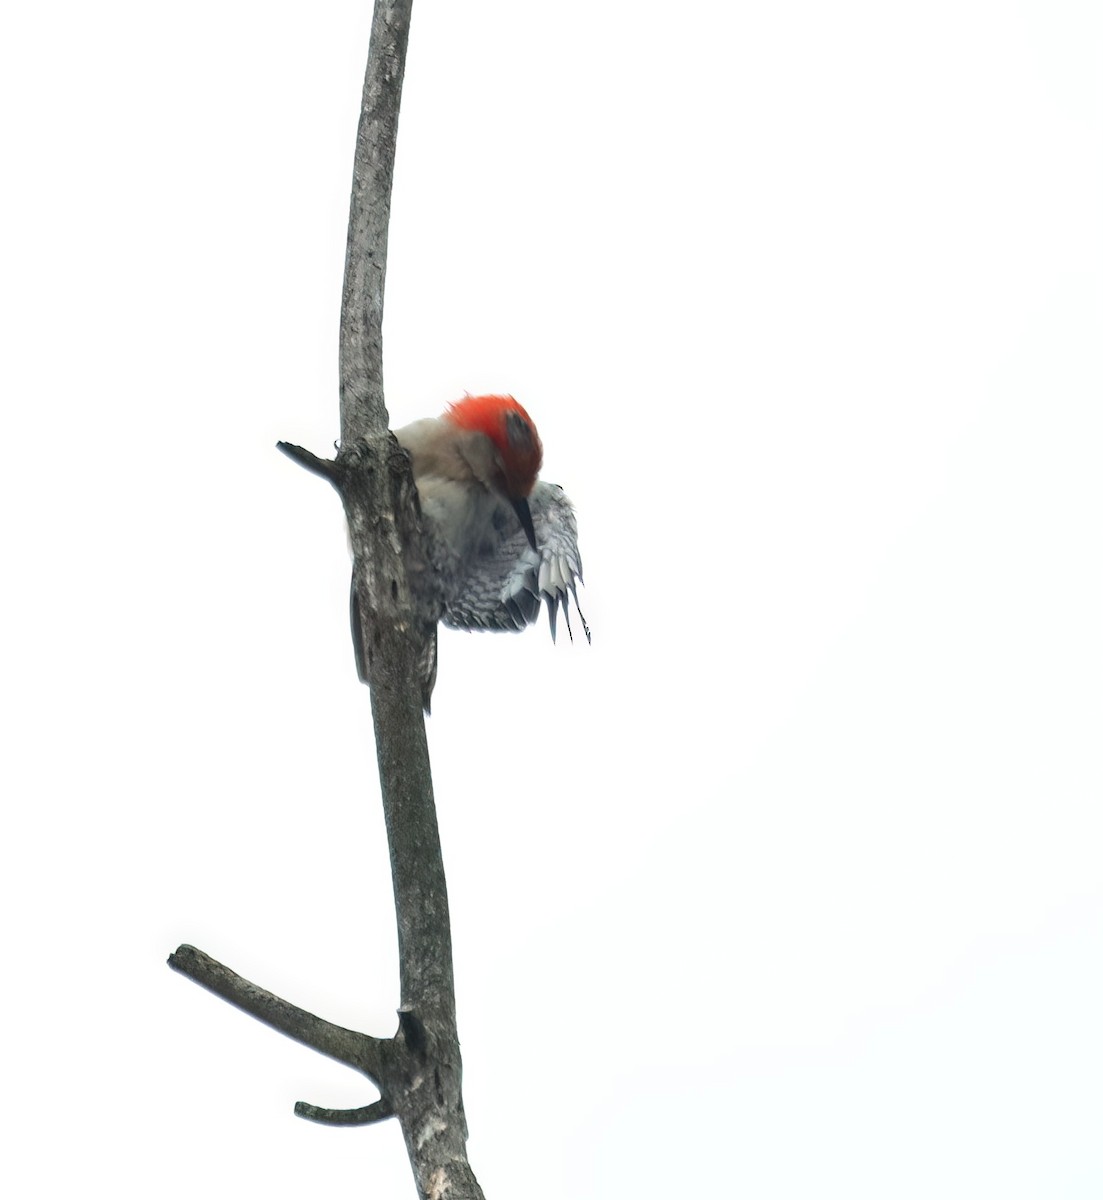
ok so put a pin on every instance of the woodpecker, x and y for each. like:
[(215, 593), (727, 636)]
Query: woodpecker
[(503, 541)]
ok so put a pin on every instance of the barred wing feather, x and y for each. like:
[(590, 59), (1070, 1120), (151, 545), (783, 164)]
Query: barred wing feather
[(507, 580)]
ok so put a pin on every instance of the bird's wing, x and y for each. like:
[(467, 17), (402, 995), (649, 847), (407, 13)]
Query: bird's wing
[(508, 580)]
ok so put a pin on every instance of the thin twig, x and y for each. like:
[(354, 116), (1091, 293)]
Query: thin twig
[(368, 1115), (325, 467)]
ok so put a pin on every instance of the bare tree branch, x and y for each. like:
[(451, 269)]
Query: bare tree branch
[(357, 1050), (418, 1071), (363, 412), (368, 1115), (325, 467)]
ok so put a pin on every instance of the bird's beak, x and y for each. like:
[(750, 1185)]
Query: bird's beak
[(521, 508)]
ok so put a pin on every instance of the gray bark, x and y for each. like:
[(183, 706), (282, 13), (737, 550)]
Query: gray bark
[(418, 1070)]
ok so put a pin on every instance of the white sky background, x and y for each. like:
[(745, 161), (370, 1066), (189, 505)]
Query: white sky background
[(790, 885)]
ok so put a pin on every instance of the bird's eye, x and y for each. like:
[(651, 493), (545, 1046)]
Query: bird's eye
[(519, 433)]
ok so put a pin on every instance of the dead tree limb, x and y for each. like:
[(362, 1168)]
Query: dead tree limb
[(417, 1071)]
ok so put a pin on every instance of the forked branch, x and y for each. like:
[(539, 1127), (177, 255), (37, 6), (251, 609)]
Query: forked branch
[(417, 1070)]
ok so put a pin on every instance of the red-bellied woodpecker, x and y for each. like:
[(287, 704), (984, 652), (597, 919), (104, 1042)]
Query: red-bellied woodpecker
[(502, 541)]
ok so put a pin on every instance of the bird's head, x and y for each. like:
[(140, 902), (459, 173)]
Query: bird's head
[(518, 452), (512, 433)]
